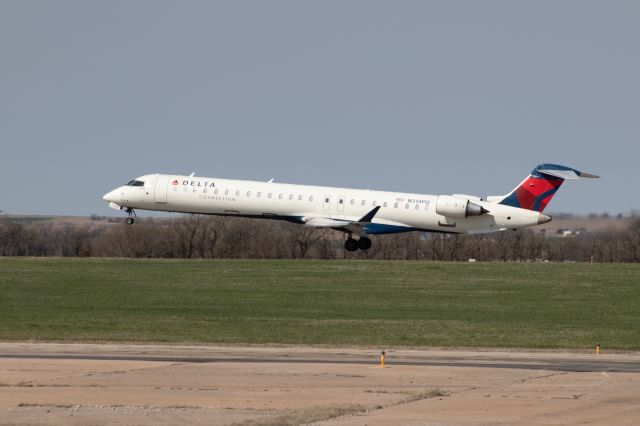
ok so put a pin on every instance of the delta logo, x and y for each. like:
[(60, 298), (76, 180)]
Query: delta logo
[(174, 182), (205, 184)]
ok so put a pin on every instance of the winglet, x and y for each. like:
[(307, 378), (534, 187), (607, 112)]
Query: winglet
[(367, 218)]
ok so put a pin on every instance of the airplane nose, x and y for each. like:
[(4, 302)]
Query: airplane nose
[(543, 218), (109, 196)]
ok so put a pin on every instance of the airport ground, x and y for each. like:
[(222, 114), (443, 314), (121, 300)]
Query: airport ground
[(164, 342), (88, 384)]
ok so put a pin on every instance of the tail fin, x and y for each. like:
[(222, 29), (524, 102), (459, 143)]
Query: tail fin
[(535, 192)]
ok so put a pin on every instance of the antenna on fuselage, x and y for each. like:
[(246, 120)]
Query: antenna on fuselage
[(270, 180), (192, 173)]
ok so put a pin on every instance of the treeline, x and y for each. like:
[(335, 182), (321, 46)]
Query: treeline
[(196, 236)]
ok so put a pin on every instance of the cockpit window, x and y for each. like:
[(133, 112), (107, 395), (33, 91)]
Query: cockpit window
[(135, 183)]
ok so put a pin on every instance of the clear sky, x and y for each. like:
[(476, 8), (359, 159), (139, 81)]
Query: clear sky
[(417, 96)]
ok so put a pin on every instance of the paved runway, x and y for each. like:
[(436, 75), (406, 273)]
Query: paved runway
[(550, 361)]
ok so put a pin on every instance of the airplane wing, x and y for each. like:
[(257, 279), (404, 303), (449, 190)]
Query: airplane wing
[(350, 225)]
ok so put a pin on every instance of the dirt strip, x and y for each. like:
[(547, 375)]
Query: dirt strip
[(86, 384)]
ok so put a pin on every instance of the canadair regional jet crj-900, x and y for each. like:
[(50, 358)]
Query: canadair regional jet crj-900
[(353, 211)]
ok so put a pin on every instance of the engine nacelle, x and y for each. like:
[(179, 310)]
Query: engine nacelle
[(460, 208)]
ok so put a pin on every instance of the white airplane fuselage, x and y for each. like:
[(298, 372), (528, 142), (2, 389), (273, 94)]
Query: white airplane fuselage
[(316, 206)]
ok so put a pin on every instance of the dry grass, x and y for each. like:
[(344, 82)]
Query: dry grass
[(419, 396), (28, 404), (305, 416), (318, 414)]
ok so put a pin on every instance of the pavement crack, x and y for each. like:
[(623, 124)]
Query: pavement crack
[(544, 376)]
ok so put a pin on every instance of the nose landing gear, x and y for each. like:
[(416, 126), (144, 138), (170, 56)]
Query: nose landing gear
[(352, 244), (132, 214)]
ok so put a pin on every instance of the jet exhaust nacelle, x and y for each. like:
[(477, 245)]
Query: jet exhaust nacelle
[(457, 207)]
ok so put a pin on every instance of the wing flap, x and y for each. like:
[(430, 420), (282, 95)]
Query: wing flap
[(351, 225), (326, 222)]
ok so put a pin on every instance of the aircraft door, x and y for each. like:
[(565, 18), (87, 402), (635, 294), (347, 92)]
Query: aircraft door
[(327, 203), (341, 204), (160, 193)]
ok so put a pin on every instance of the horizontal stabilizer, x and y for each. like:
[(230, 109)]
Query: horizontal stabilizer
[(588, 175), (568, 174)]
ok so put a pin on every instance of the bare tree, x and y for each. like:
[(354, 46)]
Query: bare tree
[(232, 237)]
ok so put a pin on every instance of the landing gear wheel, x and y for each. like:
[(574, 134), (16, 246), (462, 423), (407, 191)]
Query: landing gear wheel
[(351, 244), (132, 213), (364, 243)]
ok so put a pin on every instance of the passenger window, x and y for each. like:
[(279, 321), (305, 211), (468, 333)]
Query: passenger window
[(327, 199), (237, 192), (417, 206), (406, 206), (300, 197), (248, 193), (362, 203), (291, 196), (352, 202), (269, 196), (310, 198), (280, 196), (226, 192), (375, 203), (395, 205), (384, 204), (215, 191), (258, 194), (340, 201)]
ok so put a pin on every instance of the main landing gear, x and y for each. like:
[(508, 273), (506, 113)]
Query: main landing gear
[(352, 244), (132, 214)]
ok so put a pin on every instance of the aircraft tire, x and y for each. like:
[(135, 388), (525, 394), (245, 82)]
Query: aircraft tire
[(129, 221), (364, 243), (351, 244)]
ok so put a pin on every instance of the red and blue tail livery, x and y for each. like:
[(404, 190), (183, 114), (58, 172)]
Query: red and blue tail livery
[(535, 192)]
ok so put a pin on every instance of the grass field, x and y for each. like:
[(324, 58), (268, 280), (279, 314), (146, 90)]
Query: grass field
[(321, 302)]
